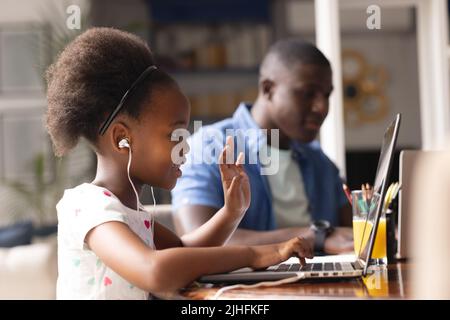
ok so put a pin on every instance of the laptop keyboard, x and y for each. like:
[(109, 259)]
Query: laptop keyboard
[(328, 266)]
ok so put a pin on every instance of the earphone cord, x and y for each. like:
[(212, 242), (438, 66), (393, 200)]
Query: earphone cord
[(136, 193), (154, 212), (297, 277), (129, 179)]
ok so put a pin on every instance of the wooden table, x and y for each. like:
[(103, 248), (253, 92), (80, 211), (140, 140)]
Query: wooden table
[(388, 282)]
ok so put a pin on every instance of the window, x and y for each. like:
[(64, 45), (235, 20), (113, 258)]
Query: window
[(22, 59)]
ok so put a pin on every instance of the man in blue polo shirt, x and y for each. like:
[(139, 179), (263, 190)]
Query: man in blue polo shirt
[(303, 195)]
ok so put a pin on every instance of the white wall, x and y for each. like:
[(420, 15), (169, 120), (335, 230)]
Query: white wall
[(397, 53), (300, 18), (14, 11)]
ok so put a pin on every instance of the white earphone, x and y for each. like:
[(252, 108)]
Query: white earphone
[(124, 143)]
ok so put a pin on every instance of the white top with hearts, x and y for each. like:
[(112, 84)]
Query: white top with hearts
[(81, 274)]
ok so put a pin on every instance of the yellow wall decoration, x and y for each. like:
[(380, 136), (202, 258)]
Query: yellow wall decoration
[(364, 90)]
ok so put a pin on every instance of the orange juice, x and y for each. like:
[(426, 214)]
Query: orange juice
[(379, 249)]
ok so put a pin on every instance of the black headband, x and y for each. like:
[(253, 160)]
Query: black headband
[(113, 114)]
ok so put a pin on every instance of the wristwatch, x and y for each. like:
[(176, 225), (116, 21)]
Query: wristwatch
[(321, 228)]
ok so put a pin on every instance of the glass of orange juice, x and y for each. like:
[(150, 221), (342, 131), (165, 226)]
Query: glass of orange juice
[(363, 216)]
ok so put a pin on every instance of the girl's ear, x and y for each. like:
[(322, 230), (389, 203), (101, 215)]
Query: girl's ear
[(266, 87), (118, 131)]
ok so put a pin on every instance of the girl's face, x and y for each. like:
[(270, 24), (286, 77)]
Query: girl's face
[(152, 143)]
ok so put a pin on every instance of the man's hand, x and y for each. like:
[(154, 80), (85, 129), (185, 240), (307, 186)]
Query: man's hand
[(235, 182), (339, 241)]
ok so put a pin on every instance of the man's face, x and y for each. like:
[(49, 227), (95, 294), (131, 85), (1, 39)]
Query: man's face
[(299, 101)]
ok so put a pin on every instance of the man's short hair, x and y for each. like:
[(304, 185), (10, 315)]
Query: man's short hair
[(293, 50)]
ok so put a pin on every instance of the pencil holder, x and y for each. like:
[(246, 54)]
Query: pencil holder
[(363, 215)]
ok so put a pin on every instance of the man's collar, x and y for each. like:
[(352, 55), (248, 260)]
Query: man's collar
[(243, 119)]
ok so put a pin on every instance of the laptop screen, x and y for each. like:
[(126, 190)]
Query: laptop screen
[(381, 177)]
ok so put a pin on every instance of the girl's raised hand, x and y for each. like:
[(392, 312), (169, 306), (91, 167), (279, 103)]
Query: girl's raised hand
[(235, 182)]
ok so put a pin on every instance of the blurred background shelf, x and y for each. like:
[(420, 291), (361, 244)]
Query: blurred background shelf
[(201, 80), (213, 49), (215, 94)]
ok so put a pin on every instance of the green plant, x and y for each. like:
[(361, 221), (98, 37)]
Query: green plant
[(50, 177), (43, 191)]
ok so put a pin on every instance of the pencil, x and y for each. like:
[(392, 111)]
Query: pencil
[(347, 193)]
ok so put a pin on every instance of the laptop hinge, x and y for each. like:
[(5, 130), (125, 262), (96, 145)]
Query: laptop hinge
[(359, 264)]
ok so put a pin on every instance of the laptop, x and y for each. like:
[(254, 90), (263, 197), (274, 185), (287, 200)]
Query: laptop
[(332, 266), (408, 162)]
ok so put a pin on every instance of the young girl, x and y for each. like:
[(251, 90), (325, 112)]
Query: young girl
[(105, 88)]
